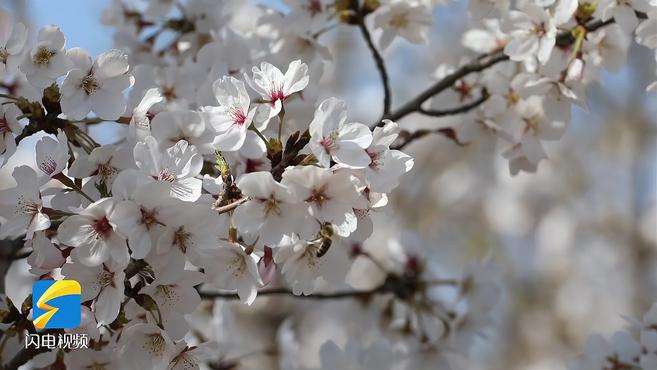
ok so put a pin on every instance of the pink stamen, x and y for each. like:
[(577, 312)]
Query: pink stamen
[(102, 227), (238, 116), (48, 166)]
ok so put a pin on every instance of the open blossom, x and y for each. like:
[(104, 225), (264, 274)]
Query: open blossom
[(305, 264), (233, 116), (141, 218), (173, 291), (47, 60), (45, 255), (176, 166), (103, 284), (272, 210), (387, 165), (333, 138), (9, 126), (169, 127), (52, 155), (12, 39), (235, 270), (532, 32), (21, 206), (408, 19), (329, 195), (190, 234), (274, 86), (94, 236), (624, 12), (145, 346), (96, 86)]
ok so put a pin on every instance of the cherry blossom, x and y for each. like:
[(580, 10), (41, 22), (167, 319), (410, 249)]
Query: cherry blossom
[(21, 206), (47, 60), (333, 138), (408, 19), (96, 86), (94, 236), (233, 116), (12, 40), (274, 86)]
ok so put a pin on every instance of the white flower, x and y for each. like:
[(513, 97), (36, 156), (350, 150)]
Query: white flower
[(140, 219), (96, 86), (102, 284), (47, 60), (9, 126), (333, 137), (232, 118), (408, 19), (532, 31), (234, 269), (12, 39), (306, 264), (174, 293), (21, 206), (45, 255), (93, 234), (144, 346), (176, 166), (624, 12), (274, 86), (330, 195), (646, 32), (103, 164), (487, 8), (140, 123), (186, 358), (487, 39), (272, 210), (87, 358), (190, 232), (387, 165), (52, 155), (169, 127)]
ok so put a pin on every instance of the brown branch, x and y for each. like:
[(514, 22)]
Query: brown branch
[(409, 137), (414, 105), (284, 291), (479, 64), (458, 110), (380, 66), (231, 206)]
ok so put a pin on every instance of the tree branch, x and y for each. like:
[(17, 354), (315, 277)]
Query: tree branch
[(414, 105), (380, 65), (284, 291), (231, 206), (409, 137), (479, 64), (458, 110)]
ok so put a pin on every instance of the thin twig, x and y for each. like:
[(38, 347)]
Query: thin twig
[(231, 206), (380, 66), (284, 291), (409, 137), (479, 64), (458, 110), (414, 105)]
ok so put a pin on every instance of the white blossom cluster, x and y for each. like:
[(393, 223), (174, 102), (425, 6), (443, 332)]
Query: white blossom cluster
[(635, 348), (560, 47), (235, 177)]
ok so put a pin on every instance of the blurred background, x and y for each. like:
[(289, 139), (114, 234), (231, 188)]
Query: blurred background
[(576, 241)]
